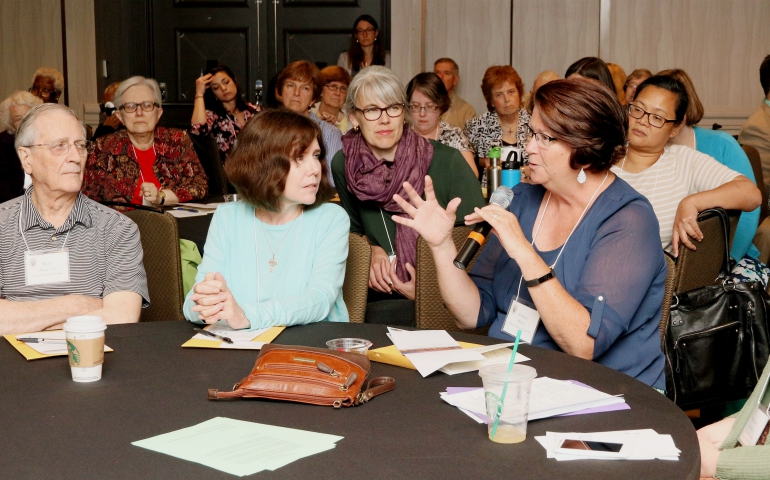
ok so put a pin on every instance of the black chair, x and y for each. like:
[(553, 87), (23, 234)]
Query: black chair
[(208, 154)]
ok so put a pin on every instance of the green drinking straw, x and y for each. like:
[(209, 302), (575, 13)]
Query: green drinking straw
[(505, 385)]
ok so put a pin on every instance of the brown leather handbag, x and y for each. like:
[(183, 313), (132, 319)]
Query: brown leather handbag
[(309, 375)]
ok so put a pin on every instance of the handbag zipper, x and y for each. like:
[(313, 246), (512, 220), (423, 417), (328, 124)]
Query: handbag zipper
[(698, 334)]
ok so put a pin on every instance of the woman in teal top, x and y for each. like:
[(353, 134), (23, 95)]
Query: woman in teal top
[(277, 257)]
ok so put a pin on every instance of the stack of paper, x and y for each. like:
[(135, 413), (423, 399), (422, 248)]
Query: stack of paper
[(242, 339), (193, 209), (548, 398), (238, 447), (638, 444)]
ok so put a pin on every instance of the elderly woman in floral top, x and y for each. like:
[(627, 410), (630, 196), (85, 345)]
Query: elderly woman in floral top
[(505, 124), (144, 164), (220, 108)]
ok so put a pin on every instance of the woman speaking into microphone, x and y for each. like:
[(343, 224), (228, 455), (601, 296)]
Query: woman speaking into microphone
[(575, 262)]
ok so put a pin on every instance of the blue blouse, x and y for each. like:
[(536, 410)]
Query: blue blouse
[(726, 150), (613, 265)]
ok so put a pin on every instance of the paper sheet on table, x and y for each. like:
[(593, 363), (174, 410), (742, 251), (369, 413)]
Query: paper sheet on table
[(32, 351), (392, 356), (201, 206), (240, 448), (492, 354), (548, 398), (242, 339), (422, 341), (646, 444), (178, 213)]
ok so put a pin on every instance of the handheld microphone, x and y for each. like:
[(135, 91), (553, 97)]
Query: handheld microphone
[(501, 196), (258, 91)]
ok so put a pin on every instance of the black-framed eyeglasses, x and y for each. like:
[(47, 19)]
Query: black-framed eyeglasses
[(43, 92), (543, 140), (334, 88), (374, 113), (417, 108), (655, 120), (361, 31), (62, 147), (146, 106)]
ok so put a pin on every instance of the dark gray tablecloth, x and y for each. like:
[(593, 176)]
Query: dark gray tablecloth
[(54, 428)]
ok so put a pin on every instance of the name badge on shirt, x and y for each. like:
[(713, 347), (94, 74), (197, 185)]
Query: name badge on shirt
[(44, 267), (524, 318), (392, 258)]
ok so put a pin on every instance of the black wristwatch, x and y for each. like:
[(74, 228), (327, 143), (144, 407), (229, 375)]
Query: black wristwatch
[(538, 281)]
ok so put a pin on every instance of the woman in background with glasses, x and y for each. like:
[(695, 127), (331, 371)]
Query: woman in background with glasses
[(575, 258), (680, 182), (378, 155), (428, 100), (335, 86), (365, 47), (144, 164)]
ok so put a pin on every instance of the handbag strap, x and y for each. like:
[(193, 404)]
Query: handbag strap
[(375, 386)]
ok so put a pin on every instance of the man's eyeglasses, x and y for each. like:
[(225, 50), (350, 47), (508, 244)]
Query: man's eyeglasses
[(543, 140), (655, 120), (146, 106), (334, 88), (417, 108), (362, 31), (374, 113), (62, 147), (44, 92)]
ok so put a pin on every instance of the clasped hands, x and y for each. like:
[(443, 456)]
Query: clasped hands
[(383, 278), (435, 223), (214, 301), (150, 192)]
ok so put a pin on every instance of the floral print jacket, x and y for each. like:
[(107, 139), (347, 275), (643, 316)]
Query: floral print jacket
[(224, 129), (112, 170)]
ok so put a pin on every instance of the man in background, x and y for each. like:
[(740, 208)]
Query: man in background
[(459, 111)]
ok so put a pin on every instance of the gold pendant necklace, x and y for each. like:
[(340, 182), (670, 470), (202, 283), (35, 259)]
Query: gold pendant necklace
[(273, 262)]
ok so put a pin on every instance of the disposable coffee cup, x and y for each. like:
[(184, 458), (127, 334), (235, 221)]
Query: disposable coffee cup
[(511, 412), (85, 347)]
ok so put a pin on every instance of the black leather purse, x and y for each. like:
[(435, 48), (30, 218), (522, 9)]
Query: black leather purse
[(717, 340)]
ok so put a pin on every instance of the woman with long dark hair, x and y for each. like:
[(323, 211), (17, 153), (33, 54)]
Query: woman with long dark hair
[(220, 108), (365, 47)]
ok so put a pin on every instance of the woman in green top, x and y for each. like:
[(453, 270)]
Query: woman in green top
[(719, 457), (379, 154)]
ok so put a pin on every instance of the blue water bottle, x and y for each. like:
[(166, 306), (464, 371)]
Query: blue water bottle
[(511, 167)]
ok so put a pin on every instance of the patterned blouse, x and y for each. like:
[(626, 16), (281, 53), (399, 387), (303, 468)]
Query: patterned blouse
[(112, 170), (454, 137), (485, 132), (225, 129)]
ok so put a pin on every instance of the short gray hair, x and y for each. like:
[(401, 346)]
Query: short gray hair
[(27, 133), (53, 74), (17, 99), (141, 82), (377, 83)]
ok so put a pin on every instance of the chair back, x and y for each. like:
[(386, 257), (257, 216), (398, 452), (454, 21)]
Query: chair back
[(355, 287), (756, 165), (430, 310), (701, 267), (211, 161), (162, 262), (668, 295)]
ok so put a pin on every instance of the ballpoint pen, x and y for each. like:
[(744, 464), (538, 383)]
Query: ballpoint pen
[(40, 340), (207, 333), (186, 209)]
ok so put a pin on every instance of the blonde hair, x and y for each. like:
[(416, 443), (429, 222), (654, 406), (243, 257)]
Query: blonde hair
[(52, 73), (619, 79), (17, 99)]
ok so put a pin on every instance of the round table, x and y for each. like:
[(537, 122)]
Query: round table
[(53, 427)]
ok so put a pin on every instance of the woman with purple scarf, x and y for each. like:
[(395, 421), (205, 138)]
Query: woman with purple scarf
[(378, 156)]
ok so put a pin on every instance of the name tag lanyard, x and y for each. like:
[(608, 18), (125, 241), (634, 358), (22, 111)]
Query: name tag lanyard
[(520, 316), (392, 255), (46, 266)]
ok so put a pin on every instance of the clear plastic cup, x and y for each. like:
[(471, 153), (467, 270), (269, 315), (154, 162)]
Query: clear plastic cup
[(509, 413), (354, 345), (85, 347)]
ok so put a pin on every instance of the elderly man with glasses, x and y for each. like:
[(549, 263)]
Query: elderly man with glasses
[(62, 254), (145, 163)]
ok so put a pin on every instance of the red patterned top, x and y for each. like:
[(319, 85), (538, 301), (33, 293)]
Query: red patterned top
[(112, 170)]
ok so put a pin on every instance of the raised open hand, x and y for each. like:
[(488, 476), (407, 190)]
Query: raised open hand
[(432, 222)]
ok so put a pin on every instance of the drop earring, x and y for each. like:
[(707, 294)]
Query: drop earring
[(581, 178)]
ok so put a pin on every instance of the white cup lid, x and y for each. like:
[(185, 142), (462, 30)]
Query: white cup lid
[(84, 324)]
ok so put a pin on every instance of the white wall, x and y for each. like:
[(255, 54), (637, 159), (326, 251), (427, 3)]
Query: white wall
[(720, 43)]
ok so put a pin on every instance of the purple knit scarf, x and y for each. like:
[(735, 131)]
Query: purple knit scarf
[(370, 179)]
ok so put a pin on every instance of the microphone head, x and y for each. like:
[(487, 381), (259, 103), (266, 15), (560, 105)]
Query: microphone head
[(501, 196), (258, 85)]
